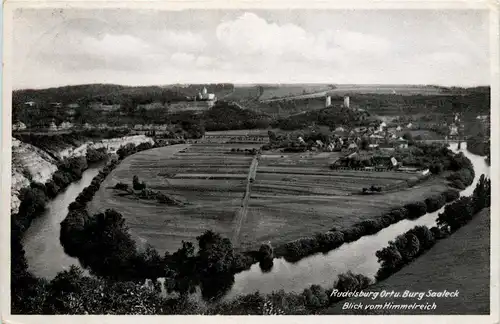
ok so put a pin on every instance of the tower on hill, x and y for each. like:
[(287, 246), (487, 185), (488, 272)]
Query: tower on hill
[(328, 101), (346, 101)]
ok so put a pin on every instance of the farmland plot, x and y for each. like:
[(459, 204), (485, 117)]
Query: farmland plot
[(293, 195), (210, 186), (286, 217)]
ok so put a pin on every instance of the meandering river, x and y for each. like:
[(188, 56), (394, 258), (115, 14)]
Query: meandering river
[(358, 256), (44, 252), (46, 256)]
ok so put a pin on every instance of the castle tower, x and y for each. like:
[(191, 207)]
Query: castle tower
[(204, 91), (346, 101), (328, 101)]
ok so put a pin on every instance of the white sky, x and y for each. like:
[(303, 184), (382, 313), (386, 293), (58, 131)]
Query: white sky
[(140, 47)]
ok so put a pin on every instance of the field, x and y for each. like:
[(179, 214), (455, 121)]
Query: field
[(296, 195), (298, 91), (293, 195), (211, 182), (441, 268)]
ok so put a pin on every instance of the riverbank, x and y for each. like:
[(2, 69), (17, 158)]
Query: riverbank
[(38, 160), (460, 262)]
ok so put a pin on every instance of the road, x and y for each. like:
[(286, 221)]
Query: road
[(241, 214)]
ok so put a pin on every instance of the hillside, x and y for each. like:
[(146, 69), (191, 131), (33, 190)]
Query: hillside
[(226, 116), (462, 261), (331, 116)]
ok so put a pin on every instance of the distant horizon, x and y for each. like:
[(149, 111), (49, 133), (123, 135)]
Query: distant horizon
[(57, 47), (240, 84)]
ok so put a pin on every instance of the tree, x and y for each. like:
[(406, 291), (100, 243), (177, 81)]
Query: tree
[(424, 235), (365, 143), (136, 184), (266, 252), (315, 297), (457, 213), (215, 262), (390, 259), (482, 194), (408, 136)]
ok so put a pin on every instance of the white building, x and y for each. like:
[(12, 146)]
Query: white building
[(346, 101), (328, 101)]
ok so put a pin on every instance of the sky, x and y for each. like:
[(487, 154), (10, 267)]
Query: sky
[(54, 47)]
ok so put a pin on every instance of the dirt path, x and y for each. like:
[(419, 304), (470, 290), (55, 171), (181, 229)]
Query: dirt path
[(241, 214)]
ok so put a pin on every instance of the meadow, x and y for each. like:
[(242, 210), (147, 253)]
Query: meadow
[(293, 195), (297, 195), (205, 177)]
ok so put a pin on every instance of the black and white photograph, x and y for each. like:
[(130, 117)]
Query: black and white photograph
[(249, 160)]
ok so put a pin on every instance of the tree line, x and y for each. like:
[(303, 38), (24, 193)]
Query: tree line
[(408, 246)]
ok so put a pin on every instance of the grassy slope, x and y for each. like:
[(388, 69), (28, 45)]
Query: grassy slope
[(461, 262)]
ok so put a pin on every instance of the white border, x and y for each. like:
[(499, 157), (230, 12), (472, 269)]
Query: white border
[(9, 6)]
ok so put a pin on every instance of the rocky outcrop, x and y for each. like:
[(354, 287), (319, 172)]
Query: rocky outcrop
[(111, 145), (30, 163)]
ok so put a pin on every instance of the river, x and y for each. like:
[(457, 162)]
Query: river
[(46, 256), (44, 252), (358, 256)]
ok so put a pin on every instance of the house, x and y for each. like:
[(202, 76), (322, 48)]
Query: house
[(372, 146), (410, 125), (340, 129), (319, 143), (401, 143), (398, 129)]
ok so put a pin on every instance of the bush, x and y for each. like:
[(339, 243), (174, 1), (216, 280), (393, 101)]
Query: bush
[(458, 184), (416, 209), (457, 213), (315, 297), (266, 252), (424, 235), (95, 155), (329, 240), (136, 184), (370, 226), (451, 195), (436, 168), (464, 175), (121, 186), (435, 202), (353, 233)]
